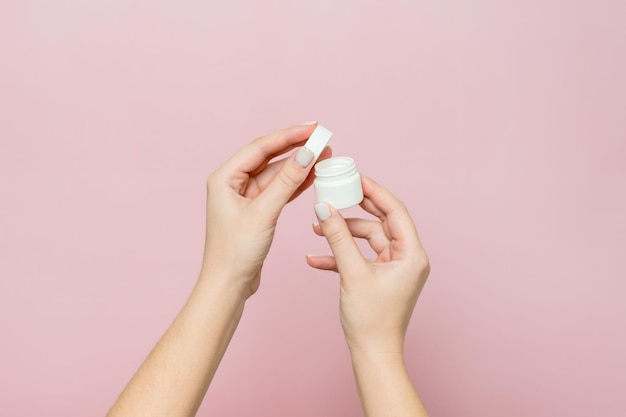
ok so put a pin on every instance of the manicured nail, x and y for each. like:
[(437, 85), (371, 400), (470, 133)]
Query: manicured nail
[(304, 157), (312, 122), (322, 211)]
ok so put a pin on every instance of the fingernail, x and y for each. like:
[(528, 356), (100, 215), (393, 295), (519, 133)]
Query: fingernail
[(322, 211), (312, 122), (304, 157)]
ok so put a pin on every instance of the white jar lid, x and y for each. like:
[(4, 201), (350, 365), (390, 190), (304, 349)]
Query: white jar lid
[(318, 141)]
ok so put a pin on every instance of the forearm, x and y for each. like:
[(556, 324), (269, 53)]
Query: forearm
[(176, 375), (384, 386)]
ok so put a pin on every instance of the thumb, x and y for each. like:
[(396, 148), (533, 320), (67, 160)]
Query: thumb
[(344, 248), (291, 175)]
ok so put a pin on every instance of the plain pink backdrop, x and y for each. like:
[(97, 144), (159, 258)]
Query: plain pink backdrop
[(501, 124)]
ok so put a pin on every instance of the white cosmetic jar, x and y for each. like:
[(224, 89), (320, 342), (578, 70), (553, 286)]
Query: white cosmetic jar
[(338, 182)]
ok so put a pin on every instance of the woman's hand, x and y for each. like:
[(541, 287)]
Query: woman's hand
[(245, 197), (377, 296)]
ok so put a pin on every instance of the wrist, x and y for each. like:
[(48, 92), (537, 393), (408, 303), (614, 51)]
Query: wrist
[(221, 265), (382, 362), (378, 343), (377, 352), (230, 288)]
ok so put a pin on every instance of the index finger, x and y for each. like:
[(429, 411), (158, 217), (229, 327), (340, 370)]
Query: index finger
[(262, 150), (389, 209)]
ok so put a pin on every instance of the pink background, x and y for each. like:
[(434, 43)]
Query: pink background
[(501, 124)]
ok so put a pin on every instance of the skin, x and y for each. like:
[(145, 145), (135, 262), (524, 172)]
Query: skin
[(245, 197), (377, 297)]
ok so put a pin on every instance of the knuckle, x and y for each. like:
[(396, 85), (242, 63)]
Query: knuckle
[(289, 178), (212, 180), (335, 237), (424, 263)]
